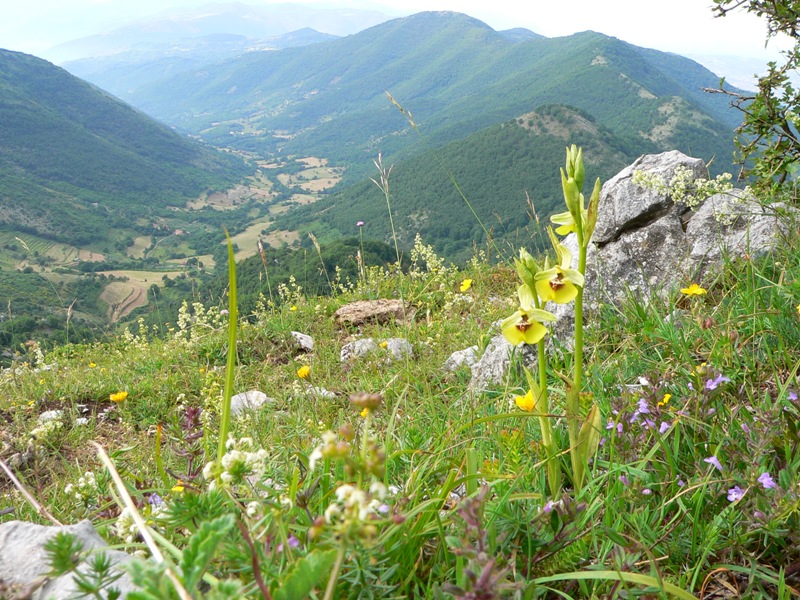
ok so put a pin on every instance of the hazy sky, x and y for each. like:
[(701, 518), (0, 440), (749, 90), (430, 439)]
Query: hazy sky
[(682, 26)]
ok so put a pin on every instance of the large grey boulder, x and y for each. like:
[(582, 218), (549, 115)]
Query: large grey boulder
[(24, 566)]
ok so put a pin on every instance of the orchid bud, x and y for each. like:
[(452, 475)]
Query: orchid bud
[(526, 267)]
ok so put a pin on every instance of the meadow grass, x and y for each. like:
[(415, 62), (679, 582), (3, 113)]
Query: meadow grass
[(698, 394)]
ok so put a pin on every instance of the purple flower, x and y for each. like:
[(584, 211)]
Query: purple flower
[(292, 541), (224, 312), (681, 483), (624, 480), (793, 396), (766, 480), (647, 491), (745, 428), (360, 224), (735, 493), (155, 499), (643, 406), (712, 384), (760, 515), (548, 508), (664, 428), (713, 460)]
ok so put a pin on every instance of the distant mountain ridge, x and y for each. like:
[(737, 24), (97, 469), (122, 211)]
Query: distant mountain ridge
[(75, 162), (255, 22), (455, 74)]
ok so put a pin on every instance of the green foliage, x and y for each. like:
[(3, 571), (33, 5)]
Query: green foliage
[(454, 73), (309, 572), (495, 169), (77, 163), (769, 138), (201, 547)]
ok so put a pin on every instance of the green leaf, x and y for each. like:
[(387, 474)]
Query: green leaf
[(306, 574), (201, 547)]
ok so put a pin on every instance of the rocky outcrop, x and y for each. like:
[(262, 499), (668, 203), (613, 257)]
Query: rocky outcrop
[(24, 566), (371, 311)]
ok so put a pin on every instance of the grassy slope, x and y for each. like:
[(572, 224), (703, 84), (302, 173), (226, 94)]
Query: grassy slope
[(654, 506)]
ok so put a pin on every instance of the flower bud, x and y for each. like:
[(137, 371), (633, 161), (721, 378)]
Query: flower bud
[(365, 400)]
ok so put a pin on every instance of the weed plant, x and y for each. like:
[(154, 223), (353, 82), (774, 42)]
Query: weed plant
[(402, 483)]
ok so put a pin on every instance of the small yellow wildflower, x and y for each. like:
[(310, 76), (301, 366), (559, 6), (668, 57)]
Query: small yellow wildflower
[(693, 290), (384, 344), (364, 412), (303, 372), (293, 308), (526, 402), (665, 400), (202, 369), (118, 396), (92, 365), (798, 309), (465, 285), (178, 487)]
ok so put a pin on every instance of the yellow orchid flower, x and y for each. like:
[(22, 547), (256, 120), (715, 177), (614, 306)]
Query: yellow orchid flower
[(558, 284), (525, 325)]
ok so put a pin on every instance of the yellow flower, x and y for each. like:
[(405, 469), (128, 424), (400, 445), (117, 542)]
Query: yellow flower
[(524, 326), (798, 309), (526, 402), (303, 372), (178, 487), (364, 412), (558, 284), (566, 223), (92, 365), (693, 290), (665, 400), (118, 396), (384, 344), (292, 308), (465, 285)]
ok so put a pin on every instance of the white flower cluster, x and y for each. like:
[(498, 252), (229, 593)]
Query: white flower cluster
[(238, 464), (84, 491), (684, 188), (50, 422), (424, 260), (354, 505), (291, 293), (125, 527), (197, 320), (138, 340)]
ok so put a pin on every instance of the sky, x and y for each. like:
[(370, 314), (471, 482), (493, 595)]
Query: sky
[(686, 27)]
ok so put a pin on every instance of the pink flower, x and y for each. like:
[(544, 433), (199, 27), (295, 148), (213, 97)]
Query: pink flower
[(360, 224), (713, 460)]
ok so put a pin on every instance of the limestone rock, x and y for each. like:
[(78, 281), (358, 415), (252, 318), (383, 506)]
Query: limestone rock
[(249, 400), (23, 560), (302, 341), (459, 358), (370, 311), (357, 349), (399, 348)]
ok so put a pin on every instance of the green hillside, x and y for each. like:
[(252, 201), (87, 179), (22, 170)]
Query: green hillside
[(494, 168), (77, 164), (456, 75)]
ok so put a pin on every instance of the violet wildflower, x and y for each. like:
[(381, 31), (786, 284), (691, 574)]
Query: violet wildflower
[(647, 491), (293, 542), (792, 396), (712, 384), (745, 428), (735, 493), (760, 515), (664, 428), (713, 460), (766, 480), (624, 480), (549, 506)]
